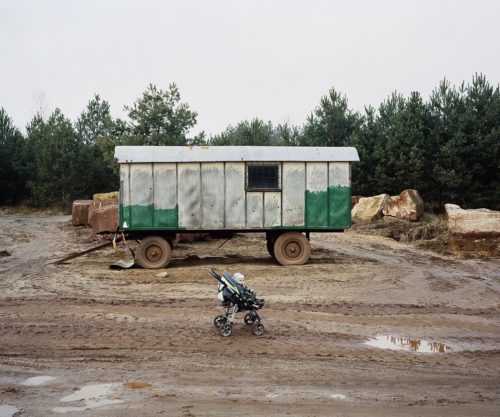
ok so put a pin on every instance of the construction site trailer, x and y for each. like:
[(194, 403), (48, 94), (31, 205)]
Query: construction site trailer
[(278, 190)]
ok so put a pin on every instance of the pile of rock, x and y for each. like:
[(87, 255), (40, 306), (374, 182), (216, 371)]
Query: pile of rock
[(100, 213), (472, 223), (408, 206)]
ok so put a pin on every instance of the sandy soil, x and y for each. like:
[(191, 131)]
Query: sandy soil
[(141, 343)]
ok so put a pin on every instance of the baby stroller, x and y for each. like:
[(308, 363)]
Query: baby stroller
[(236, 297)]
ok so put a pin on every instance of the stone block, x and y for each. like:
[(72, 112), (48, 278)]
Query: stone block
[(473, 223), (369, 208), (408, 206), (103, 217), (80, 212)]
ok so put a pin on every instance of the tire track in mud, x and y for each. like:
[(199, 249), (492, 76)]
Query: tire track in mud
[(82, 319)]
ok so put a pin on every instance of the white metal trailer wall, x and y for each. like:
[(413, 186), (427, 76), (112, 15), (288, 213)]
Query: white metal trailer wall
[(211, 195), (293, 191)]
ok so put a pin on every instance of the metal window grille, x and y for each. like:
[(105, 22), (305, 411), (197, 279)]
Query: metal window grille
[(263, 177)]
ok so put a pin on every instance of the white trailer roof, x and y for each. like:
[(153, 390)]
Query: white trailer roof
[(138, 154)]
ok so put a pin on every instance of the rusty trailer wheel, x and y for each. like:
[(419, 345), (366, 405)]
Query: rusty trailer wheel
[(292, 248), (153, 252)]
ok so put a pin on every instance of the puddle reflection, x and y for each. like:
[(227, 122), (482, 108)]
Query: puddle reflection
[(8, 410), (92, 396), (410, 345)]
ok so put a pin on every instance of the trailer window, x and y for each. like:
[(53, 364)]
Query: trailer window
[(263, 177)]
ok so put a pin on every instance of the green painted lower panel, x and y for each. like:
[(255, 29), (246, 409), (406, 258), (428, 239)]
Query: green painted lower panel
[(316, 209), (144, 217), (329, 209), (339, 207), (141, 216), (166, 217)]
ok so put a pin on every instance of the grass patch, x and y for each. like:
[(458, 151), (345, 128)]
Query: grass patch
[(429, 227)]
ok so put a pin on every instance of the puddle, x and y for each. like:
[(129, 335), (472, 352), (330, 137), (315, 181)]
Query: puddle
[(409, 345), (38, 380), (8, 410), (92, 396), (338, 396)]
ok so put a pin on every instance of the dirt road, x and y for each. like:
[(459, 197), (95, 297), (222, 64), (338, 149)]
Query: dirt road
[(79, 339)]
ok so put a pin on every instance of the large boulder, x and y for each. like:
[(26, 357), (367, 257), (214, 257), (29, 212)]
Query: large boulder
[(103, 217), (472, 223), (354, 200), (369, 208), (408, 206), (80, 212)]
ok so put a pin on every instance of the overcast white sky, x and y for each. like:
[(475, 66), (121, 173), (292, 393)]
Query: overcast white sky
[(236, 59)]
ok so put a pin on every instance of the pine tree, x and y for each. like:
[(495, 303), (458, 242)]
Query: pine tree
[(12, 183)]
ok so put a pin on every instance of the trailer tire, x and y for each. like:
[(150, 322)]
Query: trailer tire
[(292, 248), (153, 252)]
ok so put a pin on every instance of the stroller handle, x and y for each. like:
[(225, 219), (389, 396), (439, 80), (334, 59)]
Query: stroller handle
[(216, 276)]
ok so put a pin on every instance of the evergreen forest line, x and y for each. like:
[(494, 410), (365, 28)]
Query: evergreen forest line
[(446, 147)]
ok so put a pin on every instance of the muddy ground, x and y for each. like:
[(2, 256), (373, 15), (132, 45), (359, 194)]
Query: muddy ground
[(142, 343)]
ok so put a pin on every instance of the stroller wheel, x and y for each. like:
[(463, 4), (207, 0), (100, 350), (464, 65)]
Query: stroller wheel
[(219, 321), (249, 319), (258, 329), (226, 330)]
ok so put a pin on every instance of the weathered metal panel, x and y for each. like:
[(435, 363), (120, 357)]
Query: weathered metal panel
[(272, 209), (317, 176), (189, 195), (165, 195), (141, 195), (212, 195), (124, 196), (339, 195), (255, 210), (127, 154), (235, 195), (340, 174), (317, 194), (293, 189)]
